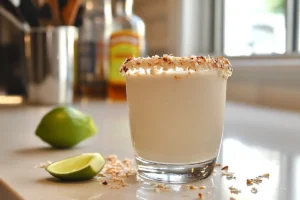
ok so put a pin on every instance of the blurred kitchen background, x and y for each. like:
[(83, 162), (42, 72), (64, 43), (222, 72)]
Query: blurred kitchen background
[(260, 37)]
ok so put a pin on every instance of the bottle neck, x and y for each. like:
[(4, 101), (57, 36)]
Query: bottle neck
[(100, 6), (124, 7)]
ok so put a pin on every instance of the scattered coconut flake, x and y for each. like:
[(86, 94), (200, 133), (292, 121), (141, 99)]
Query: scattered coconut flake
[(115, 172), (254, 190), (249, 182), (161, 187), (257, 180), (202, 187), (234, 190), (266, 175), (43, 164), (111, 158), (225, 168), (177, 77), (192, 187), (218, 165), (200, 196), (104, 183), (229, 175)]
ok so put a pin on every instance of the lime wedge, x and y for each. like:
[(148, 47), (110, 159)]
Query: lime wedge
[(65, 127), (82, 167)]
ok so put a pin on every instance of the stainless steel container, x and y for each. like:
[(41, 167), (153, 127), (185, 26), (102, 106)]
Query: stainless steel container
[(51, 63)]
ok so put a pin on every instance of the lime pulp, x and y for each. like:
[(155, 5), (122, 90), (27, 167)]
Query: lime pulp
[(82, 167)]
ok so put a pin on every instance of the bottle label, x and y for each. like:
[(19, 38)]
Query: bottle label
[(87, 55), (91, 61), (123, 44)]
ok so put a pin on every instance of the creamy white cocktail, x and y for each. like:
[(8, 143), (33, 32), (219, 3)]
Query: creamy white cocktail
[(176, 110)]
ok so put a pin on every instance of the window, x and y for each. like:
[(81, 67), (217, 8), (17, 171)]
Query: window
[(254, 27), (235, 27), (298, 20)]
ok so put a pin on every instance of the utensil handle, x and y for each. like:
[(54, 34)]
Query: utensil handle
[(69, 12), (23, 26), (56, 21)]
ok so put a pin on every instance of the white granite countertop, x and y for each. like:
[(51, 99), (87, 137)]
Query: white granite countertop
[(256, 141)]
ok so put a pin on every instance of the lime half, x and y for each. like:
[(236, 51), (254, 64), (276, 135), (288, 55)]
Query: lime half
[(82, 167), (65, 127)]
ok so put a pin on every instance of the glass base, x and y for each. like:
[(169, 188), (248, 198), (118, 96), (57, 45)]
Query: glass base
[(174, 173)]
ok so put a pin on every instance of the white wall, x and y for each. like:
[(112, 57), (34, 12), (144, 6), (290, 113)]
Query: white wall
[(269, 81)]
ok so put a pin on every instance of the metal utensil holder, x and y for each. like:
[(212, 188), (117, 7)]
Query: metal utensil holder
[(51, 58)]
